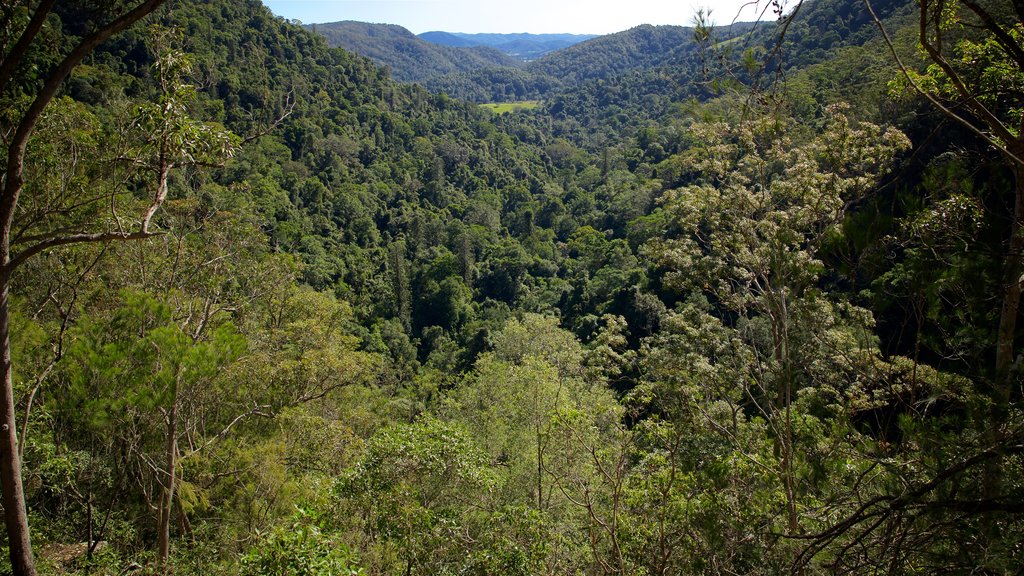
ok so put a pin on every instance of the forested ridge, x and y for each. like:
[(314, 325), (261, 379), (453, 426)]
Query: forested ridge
[(408, 57), (736, 300), (430, 57), (524, 46)]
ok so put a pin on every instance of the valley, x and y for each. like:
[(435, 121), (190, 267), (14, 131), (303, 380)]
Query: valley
[(338, 299)]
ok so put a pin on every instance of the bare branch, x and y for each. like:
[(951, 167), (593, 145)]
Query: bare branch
[(289, 107), (256, 410), (82, 238)]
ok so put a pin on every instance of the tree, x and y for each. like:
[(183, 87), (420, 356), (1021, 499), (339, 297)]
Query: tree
[(149, 374), (589, 462), (300, 549), (515, 392), (416, 490), (512, 403), (976, 78), (749, 239), (19, 241), (973, 73), (138, 377)]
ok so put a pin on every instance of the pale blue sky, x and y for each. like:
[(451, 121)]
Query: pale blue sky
[(507, 16)]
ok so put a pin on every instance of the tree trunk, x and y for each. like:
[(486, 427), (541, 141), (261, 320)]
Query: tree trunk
[(1002, 385), (1011, 294), (15, 516), (167, 494), (540, 470), (779, 315)]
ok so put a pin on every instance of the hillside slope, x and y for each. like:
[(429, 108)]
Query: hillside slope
[(723, 309), (640, 48), (524, 46), (410, 59)]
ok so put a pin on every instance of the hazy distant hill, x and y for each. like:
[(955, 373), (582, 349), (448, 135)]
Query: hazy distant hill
[(410, 59), (641, 48), (448, 39), (523, 46), (479, 67)]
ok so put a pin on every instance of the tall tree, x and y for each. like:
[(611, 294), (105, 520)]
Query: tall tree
[(976, 78), (13, 180), (972, 71), (138, 376), (750, 241)]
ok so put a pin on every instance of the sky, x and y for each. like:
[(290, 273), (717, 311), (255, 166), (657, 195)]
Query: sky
[(511, 16)]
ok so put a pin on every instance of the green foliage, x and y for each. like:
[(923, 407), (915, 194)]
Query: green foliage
[(139, 360), (165, 128), (754, 225), (507, 107), (300, 549), (640, 327), (417, 491)]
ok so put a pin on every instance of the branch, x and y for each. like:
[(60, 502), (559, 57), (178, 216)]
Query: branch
[(732, 437), (1010, 505), (318, 394), (935, 101), (40, 378), (289, 107), (934, 51), (909, 497), (256, 410), (16, 149), (142, 233), (73, 59), (1013, 49), (81, 238), (158, 197)]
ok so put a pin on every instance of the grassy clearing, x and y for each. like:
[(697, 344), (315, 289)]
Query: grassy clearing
[(506, 107)]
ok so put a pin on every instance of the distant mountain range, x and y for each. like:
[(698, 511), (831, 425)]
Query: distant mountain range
[(523, 46), (501, 67), (639, 49), (410, 59)]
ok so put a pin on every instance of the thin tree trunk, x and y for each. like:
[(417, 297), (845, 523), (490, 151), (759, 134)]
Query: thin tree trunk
[(15, 516), (783, 401), (540, 470), (167, 495), (90, 535), (1002, 386), (1011, 294)]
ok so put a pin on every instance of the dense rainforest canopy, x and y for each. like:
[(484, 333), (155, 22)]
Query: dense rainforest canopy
[(736, 300)]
